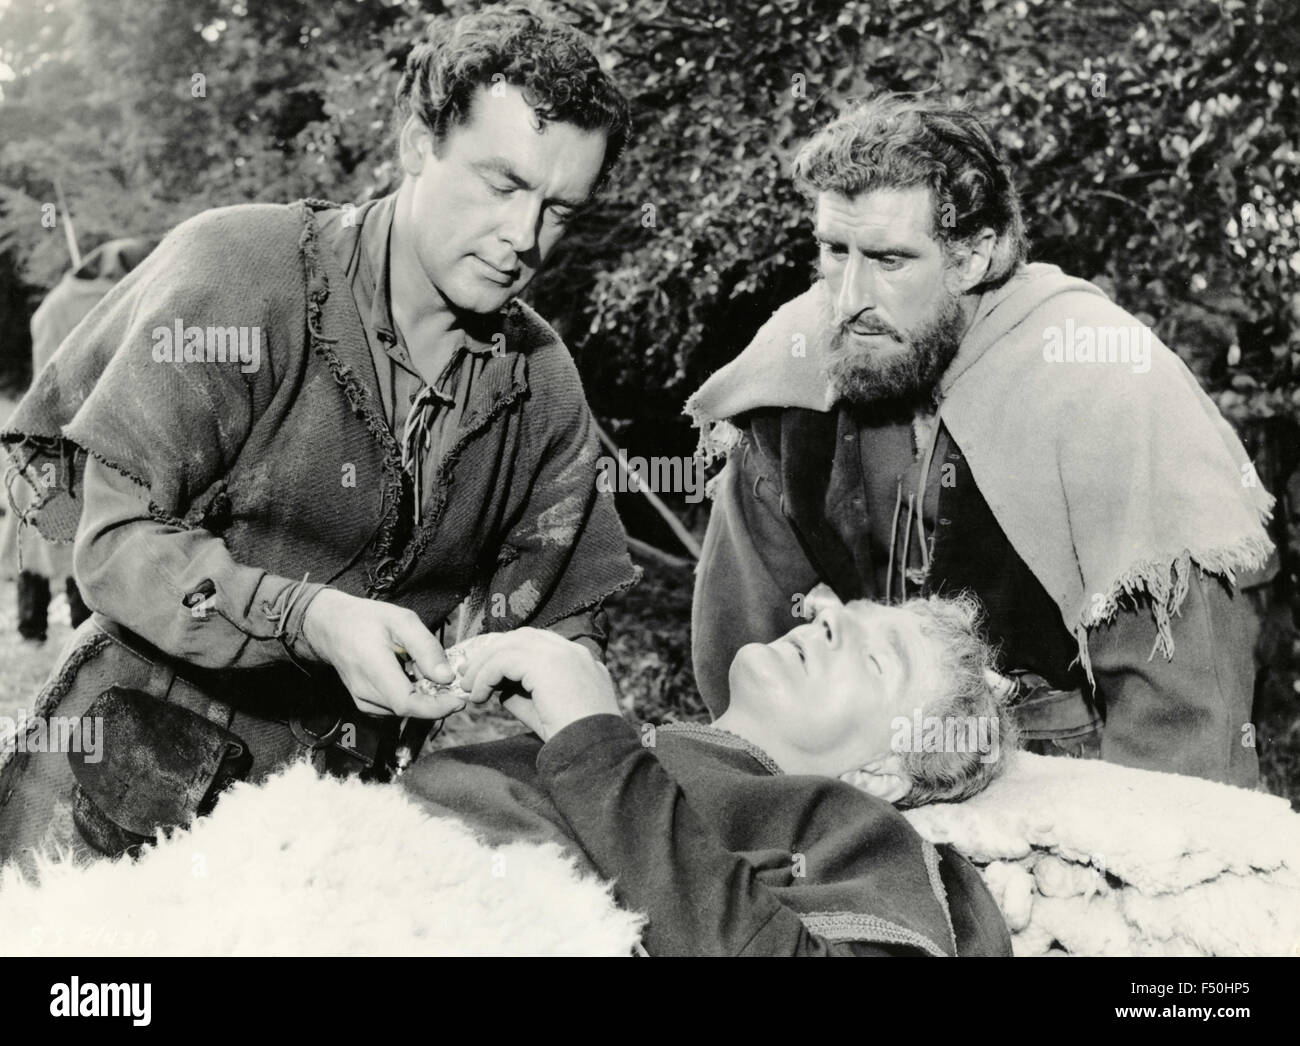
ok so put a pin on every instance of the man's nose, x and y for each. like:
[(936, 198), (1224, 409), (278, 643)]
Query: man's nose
[(857, 290), (831, 621), (519, 225), (820, 597)]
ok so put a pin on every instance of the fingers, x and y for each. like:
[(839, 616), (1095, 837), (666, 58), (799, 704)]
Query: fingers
[(526, 712), (411, 637), (491, 669), (477, 651), (380, 687), (369, 707), (413, 702), (437, 705), (468, 647)]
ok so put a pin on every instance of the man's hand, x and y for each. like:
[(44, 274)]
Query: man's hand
[(361, 640), (565, 683)]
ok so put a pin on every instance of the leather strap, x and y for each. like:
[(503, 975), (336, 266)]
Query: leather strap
[(369, 745), (1044, 714), (163, 679)]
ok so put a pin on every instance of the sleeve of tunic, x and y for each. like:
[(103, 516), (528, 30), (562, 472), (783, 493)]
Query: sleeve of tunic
[(180, 589)]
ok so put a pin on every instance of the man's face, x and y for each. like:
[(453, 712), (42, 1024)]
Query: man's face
[(896, 320), (489, 207), (832, 688)]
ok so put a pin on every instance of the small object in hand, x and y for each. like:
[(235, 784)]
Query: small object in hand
[(456, 659)]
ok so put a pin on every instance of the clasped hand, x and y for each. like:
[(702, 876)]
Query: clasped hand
[(364, 640)]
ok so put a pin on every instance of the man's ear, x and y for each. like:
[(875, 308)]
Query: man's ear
[(884, 778), (414, 145), (973, 261)]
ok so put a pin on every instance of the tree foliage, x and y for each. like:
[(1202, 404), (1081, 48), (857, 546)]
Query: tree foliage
[(1155, 145)]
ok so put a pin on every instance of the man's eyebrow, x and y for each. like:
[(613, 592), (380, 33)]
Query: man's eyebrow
[(896, 644), (887, 251), (506, 170)]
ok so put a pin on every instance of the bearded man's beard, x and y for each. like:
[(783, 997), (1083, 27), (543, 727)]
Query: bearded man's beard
[(863, 376)]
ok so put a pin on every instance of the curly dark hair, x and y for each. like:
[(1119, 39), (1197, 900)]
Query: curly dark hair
[(551, 63), (897, 141)]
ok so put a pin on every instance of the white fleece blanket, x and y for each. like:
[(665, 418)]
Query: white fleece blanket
[(306, 865), (1090, 858), (1083, 857)]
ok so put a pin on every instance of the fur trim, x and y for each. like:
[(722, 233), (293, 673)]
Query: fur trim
[(850, 926)]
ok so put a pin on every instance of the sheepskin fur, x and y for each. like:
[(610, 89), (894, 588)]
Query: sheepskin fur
[(1083, 857), (310, 865), (1091, 858)]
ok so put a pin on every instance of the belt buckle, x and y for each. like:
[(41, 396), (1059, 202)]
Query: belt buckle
[(312, 740)]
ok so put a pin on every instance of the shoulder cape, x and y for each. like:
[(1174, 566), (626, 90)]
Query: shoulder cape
[(1112, 479)]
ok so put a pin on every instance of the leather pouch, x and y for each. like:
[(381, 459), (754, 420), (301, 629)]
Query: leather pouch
[(146, 764)]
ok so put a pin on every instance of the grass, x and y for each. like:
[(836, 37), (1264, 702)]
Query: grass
[(24, 665)]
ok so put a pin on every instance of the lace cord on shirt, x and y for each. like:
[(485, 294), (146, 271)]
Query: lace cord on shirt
[(417, 437)]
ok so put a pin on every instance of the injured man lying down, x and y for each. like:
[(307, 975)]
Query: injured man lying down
[(772, 831)]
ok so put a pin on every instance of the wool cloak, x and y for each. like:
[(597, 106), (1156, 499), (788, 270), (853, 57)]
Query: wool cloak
[(1112, 474), (290, 458)]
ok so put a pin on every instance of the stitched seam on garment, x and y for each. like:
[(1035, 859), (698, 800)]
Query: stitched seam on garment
[(592, 604), (854, 926), (357, 395), (753, 936), (57, 688), (931, 855), (725, 739)]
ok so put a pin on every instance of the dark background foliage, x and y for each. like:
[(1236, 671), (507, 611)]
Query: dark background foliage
[(1155, 144)]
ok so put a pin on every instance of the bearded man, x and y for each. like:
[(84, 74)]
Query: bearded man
[(935, 416)]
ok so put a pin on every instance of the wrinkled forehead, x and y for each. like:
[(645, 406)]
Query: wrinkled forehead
[(866, 612), (877, 215), (906, 629), (504, 132)]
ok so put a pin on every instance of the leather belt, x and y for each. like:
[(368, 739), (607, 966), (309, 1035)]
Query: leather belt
[(352, 740)]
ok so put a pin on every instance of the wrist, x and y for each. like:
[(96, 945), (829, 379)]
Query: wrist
[(314, 630), (296, 638), (587, 728)]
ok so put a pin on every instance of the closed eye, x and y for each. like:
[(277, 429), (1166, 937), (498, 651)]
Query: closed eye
[(875, 663), (798, 649)]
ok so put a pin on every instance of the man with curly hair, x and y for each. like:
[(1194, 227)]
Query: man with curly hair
[(935, 416), (298, 437)]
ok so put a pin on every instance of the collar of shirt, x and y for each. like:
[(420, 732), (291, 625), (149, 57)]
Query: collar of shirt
[(375, 221)]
